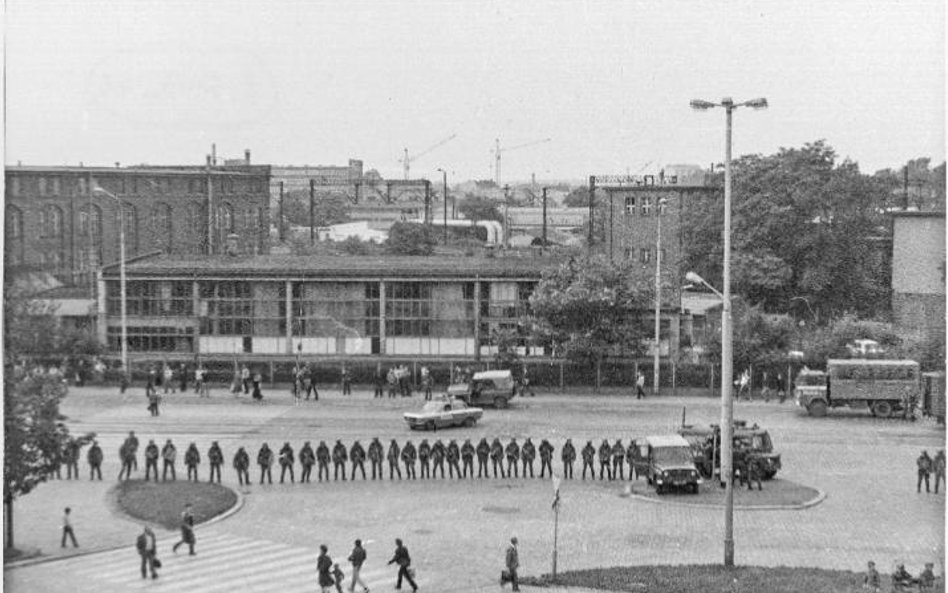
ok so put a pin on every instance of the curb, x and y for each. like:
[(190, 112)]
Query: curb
[(820, 497), (41, 559)]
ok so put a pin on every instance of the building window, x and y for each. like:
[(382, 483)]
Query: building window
[(81, 186), (13, 236), (51, 222), (408, 309), (161, 225), (645, 255), (41, 186), (662, 204), (152, 339), (14, 186), (225, 216), (229, 308), (56, 186), (646, 206), (630, 205), (130, 218)]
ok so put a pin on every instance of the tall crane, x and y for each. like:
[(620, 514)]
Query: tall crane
[(499, 151), (407, 160)]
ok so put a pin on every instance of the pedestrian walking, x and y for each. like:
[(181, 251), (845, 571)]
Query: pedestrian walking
[(938, 467), (192, 458), (309, 383), (324, 570), (242, 465), (394, 453), (245, 379), (286, 462), (298, 386), (338, 576), (187, 530), (123, 381), (257, 380), (872, 582), (339, 458), (322, 459), (924, 463), (153, 399), (375, 457), (147, 550), (392, 383), (780, 388), (307, 461), (168, 378), (265, 461), (151, 459), (67, 529), (403, 560), (168, 453), (568, 456), (216, 458), (357, 559), (640, 386), (346, 379), (133, 448), (512, 562)]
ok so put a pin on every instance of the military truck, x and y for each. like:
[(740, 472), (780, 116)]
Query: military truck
[(705, 442), (884, 387), (486, 388)]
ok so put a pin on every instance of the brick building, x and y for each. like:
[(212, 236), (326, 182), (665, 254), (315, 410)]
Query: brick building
[(55, 222), (918, 272)]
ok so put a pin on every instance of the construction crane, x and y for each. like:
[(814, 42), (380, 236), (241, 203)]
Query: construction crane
[(406, 161), (498, 151)]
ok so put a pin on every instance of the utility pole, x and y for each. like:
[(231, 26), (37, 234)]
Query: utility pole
[(544, 217), (445, 179), (506, 215), (312, 211), (280, 231), (656, 368), (592, 194), (210, 207)]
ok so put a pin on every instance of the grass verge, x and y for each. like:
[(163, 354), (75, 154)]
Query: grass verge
[(711, 579), (161, 503)]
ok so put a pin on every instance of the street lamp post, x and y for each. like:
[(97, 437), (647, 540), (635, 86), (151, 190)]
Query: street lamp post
[(727, 354), (445, 187), (122, 285), (658, 297)]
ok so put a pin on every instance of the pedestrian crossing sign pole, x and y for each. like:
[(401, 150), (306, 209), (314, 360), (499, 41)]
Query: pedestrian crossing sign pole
[(556, 519)]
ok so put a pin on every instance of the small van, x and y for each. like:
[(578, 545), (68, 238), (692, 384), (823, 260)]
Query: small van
[(667, 462), (486, 388)]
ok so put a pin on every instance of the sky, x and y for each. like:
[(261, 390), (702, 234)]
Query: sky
[(608, 82)]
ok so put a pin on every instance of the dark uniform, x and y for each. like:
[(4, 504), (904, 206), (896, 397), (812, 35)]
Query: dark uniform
[(939, 468), (346, 382), (322, 460), (629, 457), (216, 458), (287, 459), (513, 456), (497, 457), (126, 457), (605, 455), (192, 458), (437, 458), (151, 459), (483, 452), (72, 449), (589, 456), (357, 457), (424, 453), (339, 458), (453, 456), (618, 460), (924, 463), (408, 458), (375, 456), (307, 461), (242, 465), (467, 458), (168, 453), (265, 460), (94, 457), (568, 455), (394, 453), (528, 453)]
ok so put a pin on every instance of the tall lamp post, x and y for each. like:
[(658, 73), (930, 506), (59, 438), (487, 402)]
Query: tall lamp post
[(727, 353), (122, 285), (445, 187), (656, 369)]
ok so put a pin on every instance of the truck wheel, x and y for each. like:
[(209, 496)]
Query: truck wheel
[(500, 402), (817, 408), (882, 409)]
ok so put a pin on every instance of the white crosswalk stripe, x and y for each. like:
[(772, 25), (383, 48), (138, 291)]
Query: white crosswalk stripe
[(223, 563)]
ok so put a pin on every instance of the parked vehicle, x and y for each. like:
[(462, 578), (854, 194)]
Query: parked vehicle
[(667, 462), (705, 444), (443, 413), (486, 388), (884, 387)]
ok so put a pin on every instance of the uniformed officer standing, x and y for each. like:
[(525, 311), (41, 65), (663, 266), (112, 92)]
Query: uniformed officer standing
[(605, 455), (94, 457), (437, 458), (265, 461), (630, 457), (126, 458), (357, 457), (216, 458), (393, 457), (169, 452), (72, 450), (346, 382), (938, 463), (568, 455), (453, 456), (242, 465), (618, 460), (339, 459), (286, 462), (546, 457), (424, 452), (322, 460), (151, 459), (589, 455), (528, 453), (307, 461), (483, 452), (467, 458), (375, 456), (408, 458), (513, 456), (192, 458), (924, 463), (497, 457)]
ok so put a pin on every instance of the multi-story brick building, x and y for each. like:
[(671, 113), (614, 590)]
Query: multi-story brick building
[(57, 223), (918, 272)]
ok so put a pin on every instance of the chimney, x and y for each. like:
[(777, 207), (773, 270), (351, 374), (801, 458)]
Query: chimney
[(247, 156), (214, 154), (117, 164), (208, 160), (20, 164)]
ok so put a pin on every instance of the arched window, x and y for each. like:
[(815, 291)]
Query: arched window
[(13, 236), (161, 225), (131, 229), (225, 216), (51, 222)]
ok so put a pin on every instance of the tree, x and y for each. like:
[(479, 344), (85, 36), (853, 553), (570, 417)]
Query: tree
[(353, 245), (590, 309), (577, 197), (475, 207), (410, 238), (759, 338)]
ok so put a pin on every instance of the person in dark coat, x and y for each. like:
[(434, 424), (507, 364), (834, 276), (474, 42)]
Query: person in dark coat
[(339, 458), (437, 458), (324, 570), (605, 455), (187, 530), (287, 459), (424, 454), (568, 456), (147, 549), (497, 457), (513, 456), (307, 461), (924, 463), (242, 465), (375, 457), (215, 457), (72, 452), (357, 559), (467, 458), (618, 460), (589, 456), (394, 453), (527, 454), (192, 458), (408, 458), (403, 560), (630, 458), (125, 455), (546, 457), (168, 453), (151, 459), (938, 466), (94, 457), (483, 453), (322, 460), (265, 461), (357, 458), (453, 455)]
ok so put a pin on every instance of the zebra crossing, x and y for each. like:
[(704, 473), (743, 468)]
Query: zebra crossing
[(223, 562)]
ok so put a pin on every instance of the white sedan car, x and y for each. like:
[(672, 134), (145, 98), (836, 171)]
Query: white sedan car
[(443, 413)]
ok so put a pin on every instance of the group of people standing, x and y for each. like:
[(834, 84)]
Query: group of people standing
[(928, 466)]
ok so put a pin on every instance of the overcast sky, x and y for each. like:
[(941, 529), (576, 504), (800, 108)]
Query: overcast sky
[(308, 82)]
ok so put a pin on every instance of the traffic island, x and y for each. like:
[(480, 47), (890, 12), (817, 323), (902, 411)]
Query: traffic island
[(706, 579), (161, 503), (778, 494)]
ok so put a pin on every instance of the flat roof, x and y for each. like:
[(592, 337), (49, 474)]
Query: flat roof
[(872, 362), (917, 214), (249, 170), (277, 265)]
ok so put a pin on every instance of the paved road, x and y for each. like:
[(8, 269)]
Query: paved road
[(457, 531)]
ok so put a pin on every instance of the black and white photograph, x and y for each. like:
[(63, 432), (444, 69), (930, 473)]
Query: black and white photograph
[(551, 295)]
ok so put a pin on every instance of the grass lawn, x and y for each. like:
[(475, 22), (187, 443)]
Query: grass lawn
[(776, 492), (712, 579), (163, 502)]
